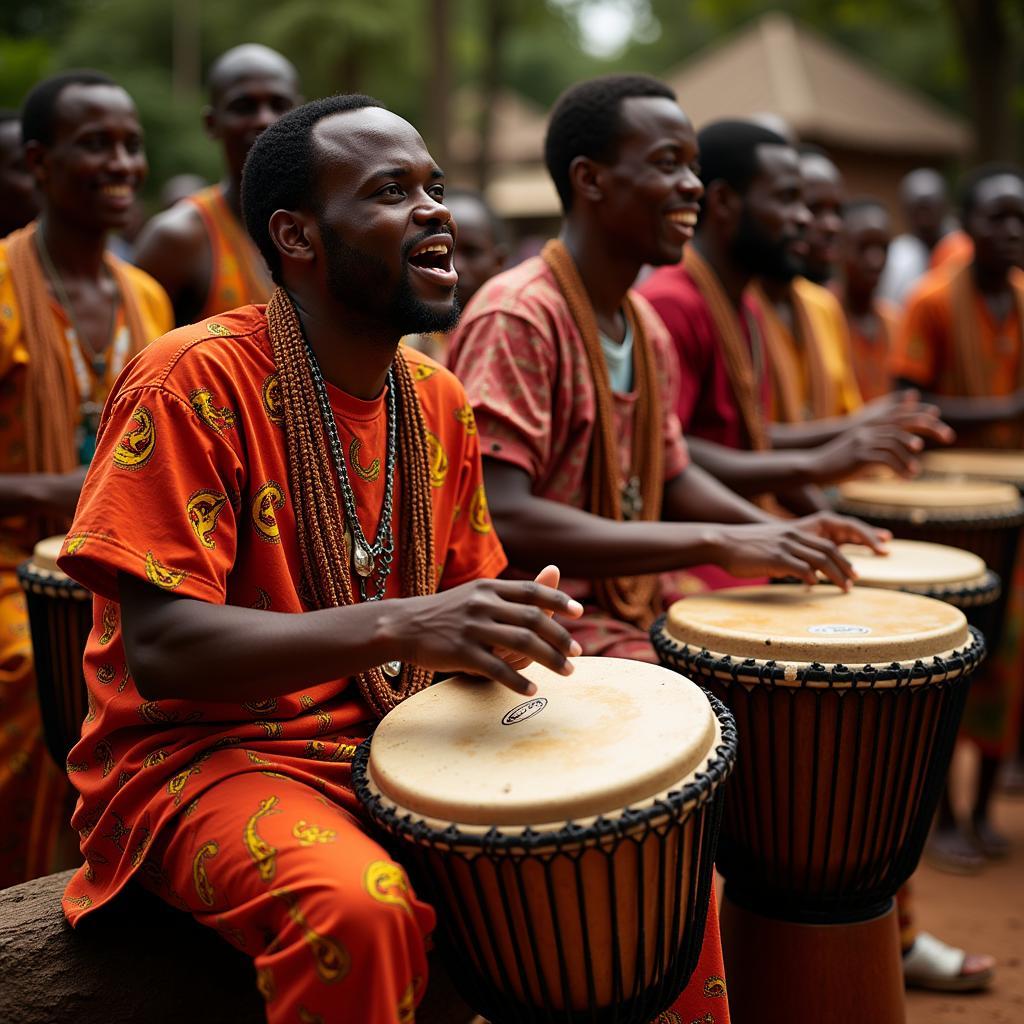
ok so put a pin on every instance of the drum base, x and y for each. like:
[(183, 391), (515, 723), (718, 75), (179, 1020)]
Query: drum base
[(779, 972)]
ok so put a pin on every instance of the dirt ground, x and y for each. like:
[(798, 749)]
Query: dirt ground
[(984, 914)]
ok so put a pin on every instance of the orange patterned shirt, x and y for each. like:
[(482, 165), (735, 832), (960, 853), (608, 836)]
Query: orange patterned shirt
[(237, 272), (189, 490)]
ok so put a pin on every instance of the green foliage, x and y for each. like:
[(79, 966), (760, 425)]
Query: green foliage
[(22, 63)]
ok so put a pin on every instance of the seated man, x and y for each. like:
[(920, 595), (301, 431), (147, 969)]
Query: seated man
[(573, 381), (286, 532)]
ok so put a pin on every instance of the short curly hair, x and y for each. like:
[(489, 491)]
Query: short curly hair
[(971, 184), (280, 171), (39, 111), (586, 121)]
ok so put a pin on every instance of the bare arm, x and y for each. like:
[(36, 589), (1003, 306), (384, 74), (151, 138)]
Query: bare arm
[(697, 495), (182, 648), (175, 249), (978, 411), (55, 493), (590, 546)]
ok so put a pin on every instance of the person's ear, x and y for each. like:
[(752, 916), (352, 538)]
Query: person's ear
[(35, 160), (586, 178), (294, 234), (722, 203), (210, 122)]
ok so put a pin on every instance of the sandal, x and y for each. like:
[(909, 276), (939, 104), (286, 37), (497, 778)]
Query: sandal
[(931, 964)]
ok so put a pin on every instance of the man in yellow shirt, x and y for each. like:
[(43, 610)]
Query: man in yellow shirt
[(71, 316)]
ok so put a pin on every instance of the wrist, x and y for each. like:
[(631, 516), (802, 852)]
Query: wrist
[(391, 638), (711, 545)]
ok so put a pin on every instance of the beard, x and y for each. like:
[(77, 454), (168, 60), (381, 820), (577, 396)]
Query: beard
[(361, 282), (762, 255)]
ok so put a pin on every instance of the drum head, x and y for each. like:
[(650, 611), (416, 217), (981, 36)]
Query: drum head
[(915, 564), (983, 463), (795, 624), (46, 553), (977, 496), (613, 734)]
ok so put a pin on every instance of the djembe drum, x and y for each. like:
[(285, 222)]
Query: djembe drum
[(959, 578), (565, 840), (983, 517), (977, 464), (60, 617), (846, 707)]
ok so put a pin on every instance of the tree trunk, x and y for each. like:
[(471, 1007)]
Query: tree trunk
[(495, 26), (987, 45), (439, 79)]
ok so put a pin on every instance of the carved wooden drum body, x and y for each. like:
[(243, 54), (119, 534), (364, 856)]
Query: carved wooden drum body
[(566, 840), (60, 617)]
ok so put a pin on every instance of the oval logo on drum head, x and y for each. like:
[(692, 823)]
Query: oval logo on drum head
[(521, 712), (839, 629)]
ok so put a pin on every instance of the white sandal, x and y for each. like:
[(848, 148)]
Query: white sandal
[(932, 964)]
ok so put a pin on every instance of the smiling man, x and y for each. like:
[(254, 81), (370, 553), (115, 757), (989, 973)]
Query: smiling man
[(573, 381), (71, 316), (286, 532), (198, 249)]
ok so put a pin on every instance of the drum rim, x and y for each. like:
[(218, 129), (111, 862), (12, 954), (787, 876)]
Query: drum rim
[(798, 675), (38, 580), (917, 515), (517, 840), (984, 590)]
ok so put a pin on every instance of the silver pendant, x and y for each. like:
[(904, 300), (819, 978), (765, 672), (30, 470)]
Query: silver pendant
[(392, 669), (362, 559)]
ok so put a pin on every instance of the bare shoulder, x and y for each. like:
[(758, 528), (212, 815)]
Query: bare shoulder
[(178, 231)]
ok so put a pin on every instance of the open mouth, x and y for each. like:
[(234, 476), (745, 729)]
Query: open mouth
[(683, 221), (118, 192), (433, 259)]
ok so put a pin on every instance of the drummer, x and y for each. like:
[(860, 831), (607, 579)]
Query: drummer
[(71, 316), (215, 763), (962, 342), (557, 353)]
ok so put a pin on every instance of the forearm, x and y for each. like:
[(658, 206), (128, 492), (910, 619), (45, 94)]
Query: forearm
[(752, 473), (25, 493), (803, 501), (535, 531), (696, 496), (810, 434), (197, 651), (976, 412)]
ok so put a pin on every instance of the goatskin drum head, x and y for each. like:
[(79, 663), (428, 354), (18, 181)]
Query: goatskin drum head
[(793, 623), (982, 463), (46, 553), (914, 563), (615, 733), (941, 496)]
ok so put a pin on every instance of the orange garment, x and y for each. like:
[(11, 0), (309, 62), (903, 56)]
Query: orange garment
[(237, 272), (871, 355), (812, 376), (956, 247), (32, 789), (189, 490), (950, 344)]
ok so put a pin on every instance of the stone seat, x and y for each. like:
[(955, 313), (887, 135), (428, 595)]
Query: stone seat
[(137, 961)]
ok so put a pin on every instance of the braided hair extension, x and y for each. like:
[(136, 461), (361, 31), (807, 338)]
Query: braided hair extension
[(318, 516)]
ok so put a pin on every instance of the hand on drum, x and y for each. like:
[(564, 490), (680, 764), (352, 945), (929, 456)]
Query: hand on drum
[(494, 628), (905, 410), (806, 548)]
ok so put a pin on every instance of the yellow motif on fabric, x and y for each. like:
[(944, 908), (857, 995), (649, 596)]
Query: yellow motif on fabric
[(123, 778), (262, 600), (74, 767), (177, 783), (437, 460), (105, 674), (261, 707), (264, 855), (109, 620), (135, 448), (264, 503), (386, 882), (141, 846), (125, 676), (74, 543), (200, 879), (163, 576), (422, 371), (219, 330), (152, 760), (265, 984), (255, 758), (104, 756), (332, 960), (82, 902), (406, 1009), (464, 414), (368, 473), (217, 419), (306, 1017), (323, 718), (310, 835), (479, 516), (320, 751), (272, 399), (714, 987), (274, 730), (668, 1017)]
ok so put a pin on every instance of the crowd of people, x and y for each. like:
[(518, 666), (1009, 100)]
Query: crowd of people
[(284, 404)]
